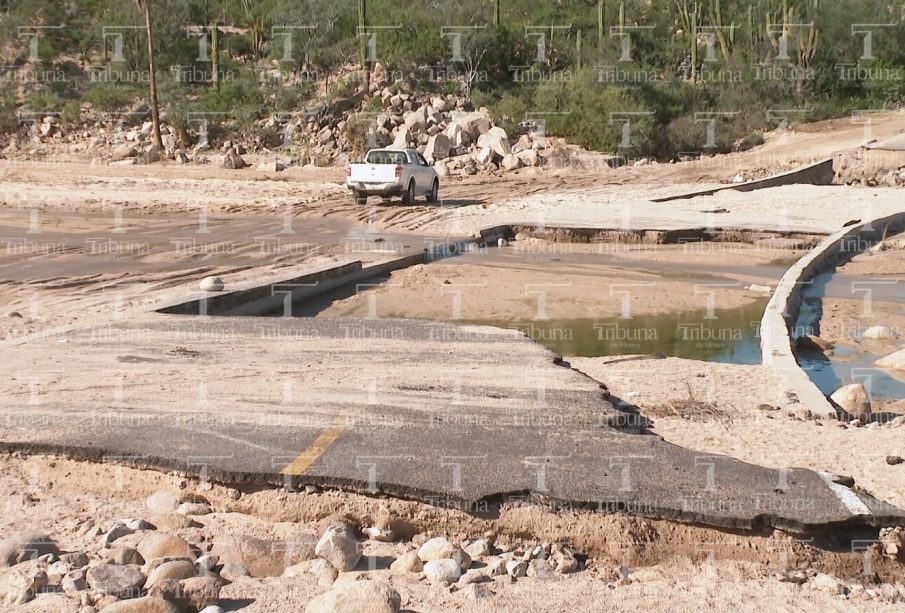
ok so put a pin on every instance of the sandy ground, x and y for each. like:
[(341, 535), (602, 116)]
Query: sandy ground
[(533, 279), (671, 568), (715, 408)]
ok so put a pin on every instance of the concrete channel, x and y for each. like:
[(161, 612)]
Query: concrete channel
[(777, 339)]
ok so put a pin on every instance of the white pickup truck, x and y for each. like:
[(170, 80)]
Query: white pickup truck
[(393, 172)]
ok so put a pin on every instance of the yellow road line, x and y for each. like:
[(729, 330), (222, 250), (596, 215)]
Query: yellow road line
[(308, 457)]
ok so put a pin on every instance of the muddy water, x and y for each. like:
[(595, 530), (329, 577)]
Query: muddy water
[(721, 335)]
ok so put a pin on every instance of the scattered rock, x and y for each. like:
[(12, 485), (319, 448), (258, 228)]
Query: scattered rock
[(478, 549), (190, 595), (760, 289), (206, 563), (74, 581), (892, 460), (408, 562), (233, 161), (125, 555), (825, 583), (892, 540), (461, 558), (516, 568), (436, 549), (148, 604), (118, 531), (162, 502), (476, 591), (26, 547), (442, 570), (208, 284), (383, 535), (175, 570), (164, 545), (119, 581), (201, 508), (853, 398), (339, 547), (813, 343), (879, 333), (259, 557), (123, 152), (357, 597), (894, 361)]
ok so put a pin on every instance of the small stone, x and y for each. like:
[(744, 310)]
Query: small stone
[(564, 562), (495, 567), (442, 571), (77, 559), (461, 558), (339, 547), (825, 583), (383, 535), (878, 333), (119, 581), (364, 596), (540, 568), (892, 460), (175, 570), (138, 524), (196, 508), (27, 547), (206, 563), (198, 593), (162, 502), (210, 284), (516, 568), (231, 571), (118, 531), (478, 549), (409, 562), (211, 609), (797, 577), (124, 556), (163, 545), (74, 581), (476, 591), (475, 575), (436, 549)]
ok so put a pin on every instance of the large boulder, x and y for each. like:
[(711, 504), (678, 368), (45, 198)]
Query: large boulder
[(894, 361), (854, 399), (511, 162), (416, 120), (357, 597), (475, 123), (442, 571), (339, 547), (437, 148), (174, 569), (262, 558), (497, 139)]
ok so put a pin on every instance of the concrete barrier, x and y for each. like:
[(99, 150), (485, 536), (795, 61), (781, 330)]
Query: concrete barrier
[(820, 173), (777, 344)]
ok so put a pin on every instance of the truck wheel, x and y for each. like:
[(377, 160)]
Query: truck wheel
[(434, 194), (360, 199), (409, 196)]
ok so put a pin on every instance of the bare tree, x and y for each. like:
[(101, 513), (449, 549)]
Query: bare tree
[(145, 6)]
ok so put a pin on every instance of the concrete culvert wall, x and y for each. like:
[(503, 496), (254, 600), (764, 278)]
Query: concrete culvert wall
[(777, 343)]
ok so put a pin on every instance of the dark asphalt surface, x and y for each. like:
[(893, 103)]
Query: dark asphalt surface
[(486, 437)]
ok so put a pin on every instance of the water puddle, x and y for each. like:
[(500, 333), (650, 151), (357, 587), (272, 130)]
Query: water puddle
[(721, 335)]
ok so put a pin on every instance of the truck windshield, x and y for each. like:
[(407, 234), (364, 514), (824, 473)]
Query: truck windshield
[(386, 157)]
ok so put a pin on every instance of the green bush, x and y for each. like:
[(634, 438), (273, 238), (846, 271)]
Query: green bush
[(108, 97)]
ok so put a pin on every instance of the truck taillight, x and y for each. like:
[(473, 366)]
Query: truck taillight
[(399, 171), (348, 171)]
